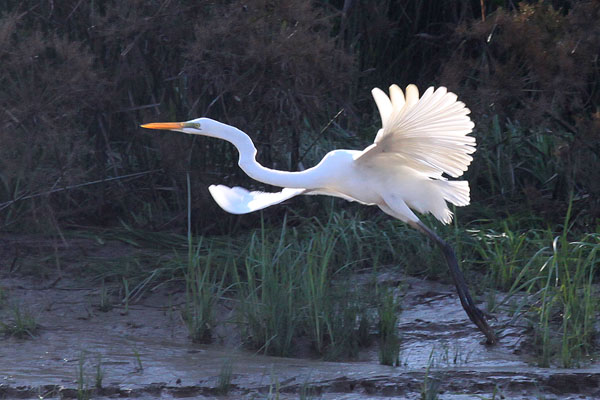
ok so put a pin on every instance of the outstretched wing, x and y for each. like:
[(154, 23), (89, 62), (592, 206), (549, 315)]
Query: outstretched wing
[(237, 200), (428, 134)]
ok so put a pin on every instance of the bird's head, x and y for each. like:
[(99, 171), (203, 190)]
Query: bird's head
[(207, 127)]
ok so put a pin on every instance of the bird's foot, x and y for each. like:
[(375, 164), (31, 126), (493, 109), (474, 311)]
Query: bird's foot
[(479, 318)]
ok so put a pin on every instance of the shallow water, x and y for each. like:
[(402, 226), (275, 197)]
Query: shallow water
[(146, 353)]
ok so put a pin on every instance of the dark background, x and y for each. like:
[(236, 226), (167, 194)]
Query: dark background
[(78, 78)]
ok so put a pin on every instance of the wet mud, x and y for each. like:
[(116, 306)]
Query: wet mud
[(143, 351)]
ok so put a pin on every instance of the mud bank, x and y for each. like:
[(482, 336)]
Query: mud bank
[(143, 351)]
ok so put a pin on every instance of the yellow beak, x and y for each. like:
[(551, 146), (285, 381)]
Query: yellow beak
[(164, 125)]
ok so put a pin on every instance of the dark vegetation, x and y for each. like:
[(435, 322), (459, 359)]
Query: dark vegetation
[(79, 77)]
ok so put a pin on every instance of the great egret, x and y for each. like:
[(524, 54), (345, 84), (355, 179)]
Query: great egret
[(420, 140)]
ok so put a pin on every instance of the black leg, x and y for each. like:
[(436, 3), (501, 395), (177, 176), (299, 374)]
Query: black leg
[(474, 313)]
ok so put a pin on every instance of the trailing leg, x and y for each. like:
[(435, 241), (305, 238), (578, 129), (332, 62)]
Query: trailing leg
[(474, 313)]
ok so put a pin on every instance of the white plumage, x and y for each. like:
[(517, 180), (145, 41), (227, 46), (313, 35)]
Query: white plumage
[(429, 134), (237, 200), (421, 139)]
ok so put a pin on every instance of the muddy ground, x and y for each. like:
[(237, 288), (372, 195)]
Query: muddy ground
[(143, 350)]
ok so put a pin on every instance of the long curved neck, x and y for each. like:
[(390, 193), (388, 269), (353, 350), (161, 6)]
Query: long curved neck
[(247, 161)]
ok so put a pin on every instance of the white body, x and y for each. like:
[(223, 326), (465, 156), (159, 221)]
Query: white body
[(403, 170), (421, 139)]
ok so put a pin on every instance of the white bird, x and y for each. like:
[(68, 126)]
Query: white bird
[(421, 139)]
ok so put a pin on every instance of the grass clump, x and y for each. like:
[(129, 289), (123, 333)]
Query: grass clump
[(139, 367), (203, 289), (268, 294), (430, 388), (389, 342), (344, 319), (566, 312), (104, 304), (20, 323), (554, 278), (293, 286), (332, 307), (83, 390), (99, 376), (225, 375)]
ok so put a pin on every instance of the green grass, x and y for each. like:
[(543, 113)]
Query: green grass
[(267, 288), (204, 287), (20, 322), (293, 284), (99, 376), (568, 301), (389, 342), (225, 375), (105, 303), (331, 310), (297, 281), (139, 367), (431, 385), (83, 390), (290, 281), (553, 275), (127, 295), (511, 158)]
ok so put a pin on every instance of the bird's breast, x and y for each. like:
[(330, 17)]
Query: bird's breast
[(357, 182)]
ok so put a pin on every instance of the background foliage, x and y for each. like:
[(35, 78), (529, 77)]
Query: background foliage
[(79, 77)]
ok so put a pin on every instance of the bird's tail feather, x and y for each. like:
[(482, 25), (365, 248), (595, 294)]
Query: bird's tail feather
[(455, 192)]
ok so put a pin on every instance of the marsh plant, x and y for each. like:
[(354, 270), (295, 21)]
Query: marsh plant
[(20, 323), (83, 390), (225, 375), (99, 376), (293, 284), (268, 293), (139, 367), (430, 388), (550, 279), (334, 310), (204, 287), (389, 341), (127, 294), (568, 294), (105, 303)]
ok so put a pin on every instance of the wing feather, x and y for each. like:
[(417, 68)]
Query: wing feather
[(428, 134), (384, 105), (237, 200)]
